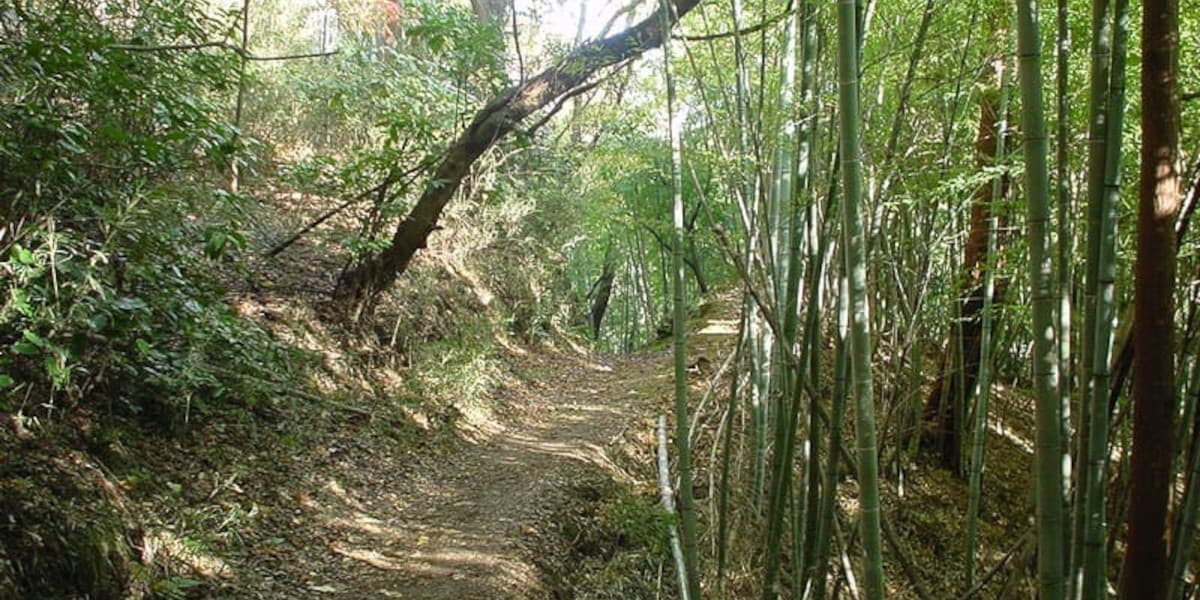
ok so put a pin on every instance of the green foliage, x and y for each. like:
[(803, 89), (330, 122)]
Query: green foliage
[(114, 223), (624, 183), (465, 373), (616, 541), (474, 50), (380, 110), (642, 525), (174, 588)]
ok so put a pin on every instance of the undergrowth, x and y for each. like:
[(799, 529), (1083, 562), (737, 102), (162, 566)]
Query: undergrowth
[(610, 542)]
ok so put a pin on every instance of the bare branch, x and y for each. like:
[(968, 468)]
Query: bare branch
[(292, 56), (221, 45), (560, 104), (725, 34), (173, 47)]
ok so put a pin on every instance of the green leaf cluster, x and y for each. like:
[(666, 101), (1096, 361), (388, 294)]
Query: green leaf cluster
[(113, 221)]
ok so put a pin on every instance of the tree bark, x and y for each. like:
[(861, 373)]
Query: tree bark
[(358, 288), (1144, 572), (487, 10), (942, 417), (602, 292)]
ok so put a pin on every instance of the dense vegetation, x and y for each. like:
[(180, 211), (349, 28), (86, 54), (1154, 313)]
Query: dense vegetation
[(218, 218)]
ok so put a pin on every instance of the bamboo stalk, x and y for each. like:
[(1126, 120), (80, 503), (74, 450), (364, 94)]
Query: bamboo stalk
[(860, 324), (1048, 459), (668, 505)]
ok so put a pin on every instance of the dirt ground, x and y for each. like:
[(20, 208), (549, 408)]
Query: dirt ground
[(458, 528)]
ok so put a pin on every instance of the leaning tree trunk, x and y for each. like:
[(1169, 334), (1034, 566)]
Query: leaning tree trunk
[(943, 412), (359, 287), (602, 291), (1144, 572)]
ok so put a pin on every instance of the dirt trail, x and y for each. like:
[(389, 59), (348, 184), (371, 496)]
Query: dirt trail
[(456, 528)]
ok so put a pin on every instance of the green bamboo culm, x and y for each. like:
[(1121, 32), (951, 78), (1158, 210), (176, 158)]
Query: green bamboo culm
[(1098, 125), (1065, 243), (756, 331), (746, 338), (1185, 521), (1095, 563), (860, 324), (1048, 461), (829, 493), (785, 271), (723, 514), (784, 201), (687, 504), (817, 242), (983, 381)]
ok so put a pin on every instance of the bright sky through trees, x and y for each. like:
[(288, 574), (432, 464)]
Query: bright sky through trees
[(560, 18)]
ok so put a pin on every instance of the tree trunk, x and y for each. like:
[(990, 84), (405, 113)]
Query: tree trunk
[(692, 258), (1144, 572), (358, 288), (602, 291), (942, 416), (488, 10)]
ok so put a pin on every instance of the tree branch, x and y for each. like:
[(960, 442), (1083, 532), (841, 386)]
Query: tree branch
[(221, 45), (379, 189), (291, 56), (173, 47), (560, 104), (517, 43), (725, 34), (361, 286)]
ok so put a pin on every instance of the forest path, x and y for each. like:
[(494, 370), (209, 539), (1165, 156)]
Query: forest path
[(458, 530), (464, 523), (471, 521)]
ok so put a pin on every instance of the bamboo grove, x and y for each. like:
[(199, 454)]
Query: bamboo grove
[(955, 235), (899, 263)]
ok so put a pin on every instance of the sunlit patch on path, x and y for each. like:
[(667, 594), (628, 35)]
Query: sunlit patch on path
[(456, 529), (719, 327)]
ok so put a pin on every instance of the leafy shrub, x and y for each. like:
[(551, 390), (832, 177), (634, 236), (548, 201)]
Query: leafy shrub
[(375, 115), (114, 225)]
